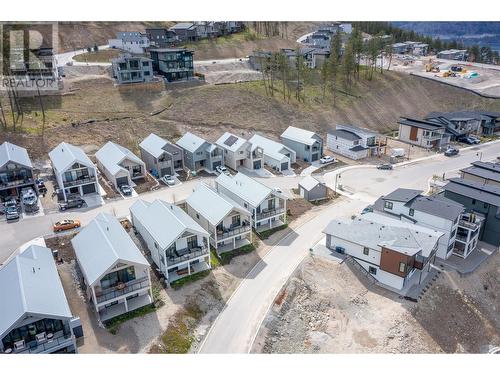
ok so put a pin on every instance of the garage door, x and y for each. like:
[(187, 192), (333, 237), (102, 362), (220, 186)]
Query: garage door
[(165, 171), (216, 164), (257, 164), (315, 157), (284, 166), (121, 181), (88, 189)]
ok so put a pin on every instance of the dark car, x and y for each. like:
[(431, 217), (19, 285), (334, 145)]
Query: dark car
[(451, 152), (40, 185), (384, 166), (71, 203), (126, 190)]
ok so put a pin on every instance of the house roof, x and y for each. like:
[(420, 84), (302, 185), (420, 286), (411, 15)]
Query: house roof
[(31, 285), (169, 50), (474, 190), (156, 146), (102, 244), (190, 142), (183, 25), (357, 130), (230, 141), (457, 115), (358, 148), (402, 195), (111, 155), (211, 205), (64, 155), (344, 134), (437, 206), (309, 183), (395, 236), (14, 153), (494, 167), (483, 173), (164, 221), (427, 125), (246, 188), (299, 135), (271, 148)]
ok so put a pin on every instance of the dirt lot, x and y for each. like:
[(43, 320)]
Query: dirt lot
[(325, 308)]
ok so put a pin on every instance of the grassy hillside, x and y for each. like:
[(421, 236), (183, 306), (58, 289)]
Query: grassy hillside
[(124, 114)]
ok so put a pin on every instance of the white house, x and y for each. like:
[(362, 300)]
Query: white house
[(35, 317), (276, 155), (130, 41), (228, 223), (179, 246), (115, 273), (267, 206), (396, 254), (120, 165), (353, 142), (435, 212), (308, 146), (75, 173), (238, 152)]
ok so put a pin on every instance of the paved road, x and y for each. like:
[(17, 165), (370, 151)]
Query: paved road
[(236, 327), (64, 58)]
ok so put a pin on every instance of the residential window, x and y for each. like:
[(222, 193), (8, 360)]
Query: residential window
[(473, 201), (192, 242), (366, 251), (156, 245), (372, 270), (411, 212), (197, 216), (388, 205), (402, 267)]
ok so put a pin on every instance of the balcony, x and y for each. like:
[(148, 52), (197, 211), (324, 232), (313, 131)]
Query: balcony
[(47, 344), (186, 254), (121, 289), (468, 224), (230, 232), (80, 181), (14, 183), (269, 213)]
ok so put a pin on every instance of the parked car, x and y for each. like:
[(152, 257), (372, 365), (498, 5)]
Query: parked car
[(221, 169), (126, 190), (168, 180), (66, 225), (451, 152), (278, 190), (475, 139), (71, 203), (367, 209), (28, 196), (467, 140), (40, 185), (11, 213), (326, 159), (384, 166)]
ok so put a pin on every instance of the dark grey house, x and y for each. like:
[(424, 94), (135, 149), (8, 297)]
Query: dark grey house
[(312, 190), (185, 31), (16, 170), (486, 173), (160, 37), (484, 200), (307, 145), (160, 156), (200, 154), (175, 64), (462, 123)]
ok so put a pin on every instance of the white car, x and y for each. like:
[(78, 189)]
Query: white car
[(278, 190), (326, 159), (221, 169), (168, 180)]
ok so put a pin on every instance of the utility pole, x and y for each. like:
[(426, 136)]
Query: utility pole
[(480, 154)]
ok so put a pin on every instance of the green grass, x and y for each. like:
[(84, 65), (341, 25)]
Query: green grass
[(114, 324), (189, 279), (264, 235), (226, 257), (214, 260)]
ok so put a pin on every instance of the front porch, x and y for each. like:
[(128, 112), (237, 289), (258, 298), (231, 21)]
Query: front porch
[(232, 245), (270, 223), (124, 306), (187, 269)]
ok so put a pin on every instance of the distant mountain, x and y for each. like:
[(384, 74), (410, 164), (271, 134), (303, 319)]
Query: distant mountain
[(482, 33)]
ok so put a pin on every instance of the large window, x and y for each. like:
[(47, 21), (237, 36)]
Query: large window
[(402, 267), (388, 205), (192, 242), (366, 251), (28, 332), (121, 276)]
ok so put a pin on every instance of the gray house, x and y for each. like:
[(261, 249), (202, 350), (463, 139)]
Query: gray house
[(312, 190), (307, 145), (160, 156), (132, 69), (16, 171), (185, 31), (200, 154), (462, 123), (160, 37), (483, 200)]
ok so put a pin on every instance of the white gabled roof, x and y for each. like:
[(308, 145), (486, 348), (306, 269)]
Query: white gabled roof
[(212, 206), (246, 188), (153, 145), (102, 244), (111, 155), (271, 148), (230, 142), (164, 221), (190, 142), (30, 285), (64, 155), (14, 153), (299, 135), (309, 183)]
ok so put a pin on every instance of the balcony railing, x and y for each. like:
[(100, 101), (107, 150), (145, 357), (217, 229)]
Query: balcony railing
[(468, 224), (79, 181), (16, 182), (269, 213), (245, 227), (60, 340), (118, 291), (191, 254)]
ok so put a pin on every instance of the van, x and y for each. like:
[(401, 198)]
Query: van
[(398, 152)]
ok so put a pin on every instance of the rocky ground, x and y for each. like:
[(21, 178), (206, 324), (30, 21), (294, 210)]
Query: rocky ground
[(325, 308)]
